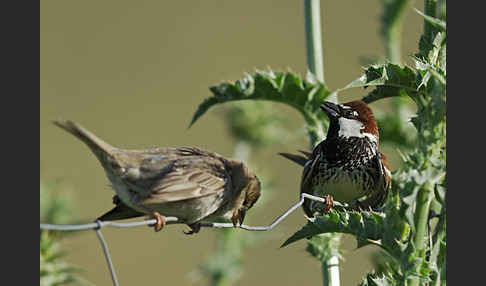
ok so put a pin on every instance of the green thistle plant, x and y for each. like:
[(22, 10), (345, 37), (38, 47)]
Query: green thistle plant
[(401, 231), (56, 208)]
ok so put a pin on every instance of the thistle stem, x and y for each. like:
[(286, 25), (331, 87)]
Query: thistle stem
[(392, 29), (313, 38), (422, 214), (315, 63), (330, 271), (420, 219), (430, 7)]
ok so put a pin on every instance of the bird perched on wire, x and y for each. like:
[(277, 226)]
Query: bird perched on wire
[(188, 183), (347, 165)]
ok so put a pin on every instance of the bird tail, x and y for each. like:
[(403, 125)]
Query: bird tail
[(99, 147), (299, 159), (121, 211)]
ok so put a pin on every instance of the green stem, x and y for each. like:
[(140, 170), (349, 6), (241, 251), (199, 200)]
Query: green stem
[(315, 63), (393, 44), (421, 217), (330, 271), (430, 8), (422, 214), (313, 38), (392, 28), (229, 247)]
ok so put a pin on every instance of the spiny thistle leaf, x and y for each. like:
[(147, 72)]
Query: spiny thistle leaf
[(439, 192), (365, 225), (305, 95), (434, 21), (373, 279), (390, 80), (53, 270)]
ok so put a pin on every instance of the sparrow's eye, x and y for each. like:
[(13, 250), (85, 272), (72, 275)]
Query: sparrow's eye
[(350, 113)]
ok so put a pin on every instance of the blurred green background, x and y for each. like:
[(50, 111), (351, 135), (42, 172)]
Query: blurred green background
[(134, 72)]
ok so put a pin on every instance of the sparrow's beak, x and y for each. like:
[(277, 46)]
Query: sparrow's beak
[(331, 109), (239, 216)]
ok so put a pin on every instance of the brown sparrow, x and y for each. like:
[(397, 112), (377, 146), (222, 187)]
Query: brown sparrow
[(188, 183), (347, 165)]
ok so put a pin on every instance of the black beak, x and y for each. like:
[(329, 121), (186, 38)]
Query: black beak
[(239, 216), (330, 109), (242, 215)]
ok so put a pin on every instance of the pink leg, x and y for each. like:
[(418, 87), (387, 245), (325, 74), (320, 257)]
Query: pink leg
[(329, 203), (160, 223)]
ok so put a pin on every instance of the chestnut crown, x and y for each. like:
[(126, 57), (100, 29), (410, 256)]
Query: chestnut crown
[(351, 119)]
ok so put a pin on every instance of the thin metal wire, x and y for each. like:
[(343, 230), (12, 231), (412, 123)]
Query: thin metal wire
[(174, 220), (107, 253), (97, 225)]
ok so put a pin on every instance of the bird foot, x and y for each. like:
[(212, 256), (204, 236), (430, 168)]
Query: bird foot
[(326, 207), (195, 227), (328, 204), (358, 206), (160, 221)]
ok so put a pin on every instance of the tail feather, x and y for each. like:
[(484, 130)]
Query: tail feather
[(299, 159), (308, 154), (121, 211), (96, 145)]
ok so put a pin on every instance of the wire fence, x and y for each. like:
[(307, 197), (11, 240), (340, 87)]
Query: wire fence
[(97, 225)]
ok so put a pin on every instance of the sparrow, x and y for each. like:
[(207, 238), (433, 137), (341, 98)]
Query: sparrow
[(347, 165), (187, 182)]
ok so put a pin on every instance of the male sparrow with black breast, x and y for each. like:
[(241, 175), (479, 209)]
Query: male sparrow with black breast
[(347, 165)]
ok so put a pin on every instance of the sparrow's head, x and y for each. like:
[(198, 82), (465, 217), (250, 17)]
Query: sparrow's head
[(247, 187), (252, 192), (351, 119)]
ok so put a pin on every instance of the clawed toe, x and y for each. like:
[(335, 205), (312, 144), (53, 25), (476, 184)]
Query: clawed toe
[(160, 221), (328, 204), (195, 227), (359, 206)]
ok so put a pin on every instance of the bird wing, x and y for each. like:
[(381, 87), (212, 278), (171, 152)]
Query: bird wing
[(378, 197), (183, 184), (174, 174), (308, 173), (385, 170)]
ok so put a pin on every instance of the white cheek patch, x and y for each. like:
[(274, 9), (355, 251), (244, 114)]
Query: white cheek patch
[(350, 128)]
